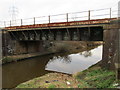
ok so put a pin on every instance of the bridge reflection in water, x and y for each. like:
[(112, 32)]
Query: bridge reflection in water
[(16, 73)]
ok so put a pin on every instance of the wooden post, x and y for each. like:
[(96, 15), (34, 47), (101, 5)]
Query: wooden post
[(89, 15)]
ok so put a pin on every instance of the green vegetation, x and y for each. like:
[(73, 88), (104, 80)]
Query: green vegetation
[(51, 86), (7, 59), (29, 84), (96, 78)]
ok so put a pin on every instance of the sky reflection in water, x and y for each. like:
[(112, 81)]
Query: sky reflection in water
[(75, 62)]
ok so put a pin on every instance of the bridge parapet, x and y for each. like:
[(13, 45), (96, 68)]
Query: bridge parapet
[(98, 22)]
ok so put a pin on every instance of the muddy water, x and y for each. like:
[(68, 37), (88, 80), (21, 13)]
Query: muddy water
[(19, 72)]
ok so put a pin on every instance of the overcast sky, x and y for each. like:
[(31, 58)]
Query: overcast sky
[(35, 8)]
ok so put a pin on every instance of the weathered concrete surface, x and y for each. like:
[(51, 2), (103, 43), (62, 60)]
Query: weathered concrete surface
[(0, 45), (13, 47), (0, 59), (27, 47), (111, 49)]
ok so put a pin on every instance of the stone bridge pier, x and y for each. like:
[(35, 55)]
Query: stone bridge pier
[(111, 48)]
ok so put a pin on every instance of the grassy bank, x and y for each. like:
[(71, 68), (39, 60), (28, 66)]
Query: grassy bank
[(94, 77), (97, 77)]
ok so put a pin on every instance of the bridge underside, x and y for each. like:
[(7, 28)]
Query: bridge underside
[(60, 34)]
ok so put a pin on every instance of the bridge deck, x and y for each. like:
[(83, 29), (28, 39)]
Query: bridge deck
[(72, 24)]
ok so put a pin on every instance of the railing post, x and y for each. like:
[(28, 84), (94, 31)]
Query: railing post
[(21, 22), (34, 20), (110, 13), (4, 23), (49, 18), (89, 15), (10, 23), (67, 17)]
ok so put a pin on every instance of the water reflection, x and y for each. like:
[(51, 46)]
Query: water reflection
[(16, 73), (86, 53), (62, 58), (72, 63)]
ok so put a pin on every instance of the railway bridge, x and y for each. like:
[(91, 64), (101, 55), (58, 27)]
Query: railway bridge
[(78, 26), (87, 30), (72, 27)]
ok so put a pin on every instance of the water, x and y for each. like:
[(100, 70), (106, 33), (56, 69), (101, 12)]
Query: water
[(75, 62), (16, 73)]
